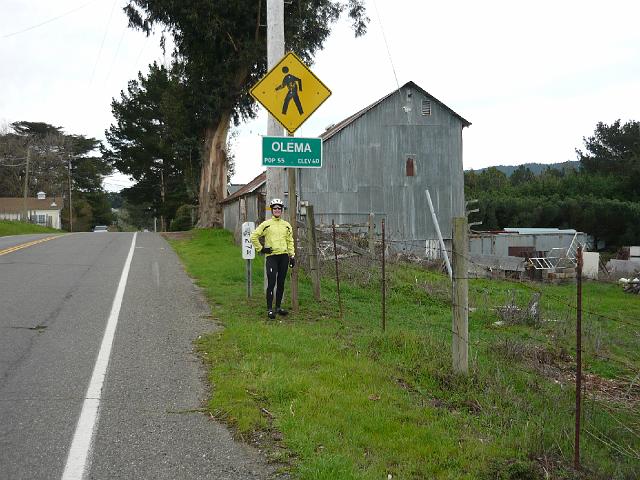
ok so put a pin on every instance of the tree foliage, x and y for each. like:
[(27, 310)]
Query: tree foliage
[(614, 150), (220, 52), (155, 141), (55, 158)]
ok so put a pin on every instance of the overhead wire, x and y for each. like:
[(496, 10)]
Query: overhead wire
[(115, 56), (384, 37), (49, 21), (106, 30)]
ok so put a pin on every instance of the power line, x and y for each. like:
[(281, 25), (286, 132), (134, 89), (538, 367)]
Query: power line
[(387, 45), (48, 21), (106, 30), (115, 56)]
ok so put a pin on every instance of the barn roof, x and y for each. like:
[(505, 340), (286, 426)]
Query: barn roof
[(330, 132), (250, 187)]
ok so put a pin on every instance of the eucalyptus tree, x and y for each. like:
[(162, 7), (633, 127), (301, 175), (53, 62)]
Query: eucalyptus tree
[(221, 45)]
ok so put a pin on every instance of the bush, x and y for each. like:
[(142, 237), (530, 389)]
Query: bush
[(182, 220)]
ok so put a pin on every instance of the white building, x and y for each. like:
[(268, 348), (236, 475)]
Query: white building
[(41, 210)]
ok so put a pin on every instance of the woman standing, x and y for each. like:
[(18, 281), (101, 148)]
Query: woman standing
[(279, 249)]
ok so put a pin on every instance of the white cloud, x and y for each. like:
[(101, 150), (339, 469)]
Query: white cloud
[(533, 78)]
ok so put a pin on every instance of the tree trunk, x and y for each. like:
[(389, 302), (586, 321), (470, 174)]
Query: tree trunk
[(213, 180)]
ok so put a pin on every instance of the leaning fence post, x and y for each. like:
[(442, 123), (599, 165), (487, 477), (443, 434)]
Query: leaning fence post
[(335, 255), (313, 252)]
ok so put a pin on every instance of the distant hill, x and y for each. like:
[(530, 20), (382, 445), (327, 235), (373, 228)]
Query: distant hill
[(536, 168)]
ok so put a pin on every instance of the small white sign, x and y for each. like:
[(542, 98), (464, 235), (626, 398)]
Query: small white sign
[(248, 251)]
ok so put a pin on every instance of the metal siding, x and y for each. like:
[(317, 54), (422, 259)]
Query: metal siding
[(499, 244), (364, 168)]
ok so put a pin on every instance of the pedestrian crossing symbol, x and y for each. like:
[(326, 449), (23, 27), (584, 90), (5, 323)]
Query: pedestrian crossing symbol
[(290, 92)]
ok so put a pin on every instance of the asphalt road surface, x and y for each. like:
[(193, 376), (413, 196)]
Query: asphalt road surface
[(59, 299)]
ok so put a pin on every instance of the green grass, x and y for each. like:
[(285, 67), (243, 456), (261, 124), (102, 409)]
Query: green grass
[(8, 227), (338, 398)]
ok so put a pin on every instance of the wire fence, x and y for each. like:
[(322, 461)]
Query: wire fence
[(358, 256)]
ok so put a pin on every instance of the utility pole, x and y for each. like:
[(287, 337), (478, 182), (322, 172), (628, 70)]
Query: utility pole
[(26, 186), (163, 227), (275, 51), (70, 209)]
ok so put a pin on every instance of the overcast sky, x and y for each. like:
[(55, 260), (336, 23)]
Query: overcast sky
[(532, 78)]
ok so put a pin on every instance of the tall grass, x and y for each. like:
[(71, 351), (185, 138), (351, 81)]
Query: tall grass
[(337, 398), (8, 227)]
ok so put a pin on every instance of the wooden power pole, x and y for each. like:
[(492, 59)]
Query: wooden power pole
[(460, 296), (70, 207), (275, 51), (26, 186)]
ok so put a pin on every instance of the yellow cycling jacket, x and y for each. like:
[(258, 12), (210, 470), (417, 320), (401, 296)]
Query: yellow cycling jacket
[(277, 234)]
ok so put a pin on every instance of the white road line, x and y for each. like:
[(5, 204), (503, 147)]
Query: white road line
[(80, 450)]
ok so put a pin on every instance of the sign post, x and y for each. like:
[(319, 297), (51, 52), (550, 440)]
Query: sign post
[(291, 93), (248, 251)]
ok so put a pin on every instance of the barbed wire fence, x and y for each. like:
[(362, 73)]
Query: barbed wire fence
[(356, 255)]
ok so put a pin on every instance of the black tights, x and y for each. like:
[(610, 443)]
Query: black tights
[(277, 266)]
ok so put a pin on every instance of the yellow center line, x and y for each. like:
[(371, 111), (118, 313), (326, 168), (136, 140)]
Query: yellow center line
[(28, 244)]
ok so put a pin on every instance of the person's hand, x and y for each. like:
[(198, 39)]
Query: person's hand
[(292, 262), (265, 250)]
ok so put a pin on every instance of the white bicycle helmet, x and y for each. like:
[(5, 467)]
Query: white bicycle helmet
[(276, 201)]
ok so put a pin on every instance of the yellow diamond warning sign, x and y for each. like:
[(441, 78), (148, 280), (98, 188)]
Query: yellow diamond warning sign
[(290, 92)]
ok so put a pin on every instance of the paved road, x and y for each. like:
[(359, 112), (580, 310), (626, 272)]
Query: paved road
[(55, 302), (13, 240)]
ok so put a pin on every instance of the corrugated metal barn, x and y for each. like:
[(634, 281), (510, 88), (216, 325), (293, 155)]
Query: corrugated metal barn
[(381, 160)]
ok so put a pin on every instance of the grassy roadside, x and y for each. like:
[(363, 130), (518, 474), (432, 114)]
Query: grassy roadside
[(339, 399), (8, 227)]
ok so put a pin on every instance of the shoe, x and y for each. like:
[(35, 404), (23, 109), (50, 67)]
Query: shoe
[(271, 314), (282, 311)]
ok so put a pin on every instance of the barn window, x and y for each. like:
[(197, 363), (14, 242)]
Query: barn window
[(411, 167), (426, 107)]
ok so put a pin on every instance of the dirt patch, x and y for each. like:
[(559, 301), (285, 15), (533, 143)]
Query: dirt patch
[(178, 235), (560, 367)]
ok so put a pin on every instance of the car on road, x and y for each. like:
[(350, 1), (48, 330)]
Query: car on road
[(100, 228)]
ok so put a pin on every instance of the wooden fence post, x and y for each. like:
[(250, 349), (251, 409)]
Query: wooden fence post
[(335, 256), (460, 296), (313, 252), (576, 450), (384, 283), (293, 220), (372, 235)]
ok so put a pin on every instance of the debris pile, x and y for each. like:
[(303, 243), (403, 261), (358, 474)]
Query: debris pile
[(630, 285)]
